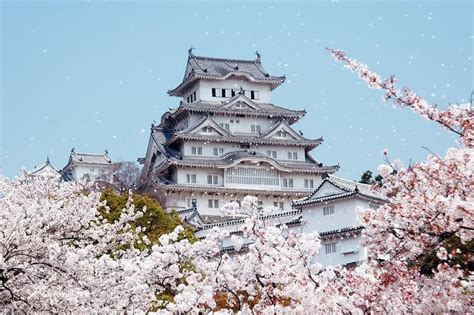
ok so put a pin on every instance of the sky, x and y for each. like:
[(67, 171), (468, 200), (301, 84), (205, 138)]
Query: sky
[(94, 75)]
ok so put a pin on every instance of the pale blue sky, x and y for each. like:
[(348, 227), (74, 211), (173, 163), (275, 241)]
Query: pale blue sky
[(94, 75)]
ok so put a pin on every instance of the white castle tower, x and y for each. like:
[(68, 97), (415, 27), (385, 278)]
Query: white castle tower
[(227, 140)]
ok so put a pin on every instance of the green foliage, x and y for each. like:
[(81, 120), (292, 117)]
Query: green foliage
[(366, 178), (155, 220)]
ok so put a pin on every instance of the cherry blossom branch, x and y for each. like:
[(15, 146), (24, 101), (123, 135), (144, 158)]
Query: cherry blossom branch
[(451, 119)]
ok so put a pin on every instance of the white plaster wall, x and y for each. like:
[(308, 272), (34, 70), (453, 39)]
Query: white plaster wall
[(205, 89), (177, 200), (245, 123), (298, 181), (340, 258), (201, 179), (201, 176), (79, 172), (208, 149), (344, 215)]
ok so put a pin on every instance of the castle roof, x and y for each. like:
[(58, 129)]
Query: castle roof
[(90, 158), (238, 105), (222, 135), (336, 188), (44, 169), (233, 158), (77, 158), (211, 68)]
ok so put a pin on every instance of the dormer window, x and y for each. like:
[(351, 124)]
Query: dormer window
[(281, 133), (207, 129)]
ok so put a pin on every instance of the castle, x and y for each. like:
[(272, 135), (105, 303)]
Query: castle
[(226, 140)]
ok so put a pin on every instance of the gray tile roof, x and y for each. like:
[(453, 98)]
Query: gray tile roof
[(199, 67), (349, 189), (167, 138), (262, 109), (308, 143), (47, 165), (275, 218), (90, 158), (173, 187), (232, 157)]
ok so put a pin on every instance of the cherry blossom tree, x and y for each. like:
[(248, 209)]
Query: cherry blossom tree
[(429, 204), (57, 254)]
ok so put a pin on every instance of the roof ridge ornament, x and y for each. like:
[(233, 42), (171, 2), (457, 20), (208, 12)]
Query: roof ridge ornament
[(190, 51), (47, 160), (258, 56)]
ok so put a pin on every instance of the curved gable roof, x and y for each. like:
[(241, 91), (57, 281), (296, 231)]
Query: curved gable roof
[(200, 67)]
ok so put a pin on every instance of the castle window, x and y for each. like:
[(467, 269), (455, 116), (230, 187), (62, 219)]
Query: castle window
[(218, 151), (278, 205), (254, 95), (308, 183), (196, 150), (292, 155), (213, 203), (191, 178), (328, 210), (272, 154), (214, 92), (224, 126), (245, 146), (330, 248), (223, 93), (212, 179), (288, 182), (194, 96), (255, 128), (251, 176)]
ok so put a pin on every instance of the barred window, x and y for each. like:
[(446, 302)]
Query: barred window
[(191, 178), (308, 183), (212, 179), (328, 210), (251, 176), (330, 248)]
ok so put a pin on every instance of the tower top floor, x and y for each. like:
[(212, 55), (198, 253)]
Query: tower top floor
[(218, 79)]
